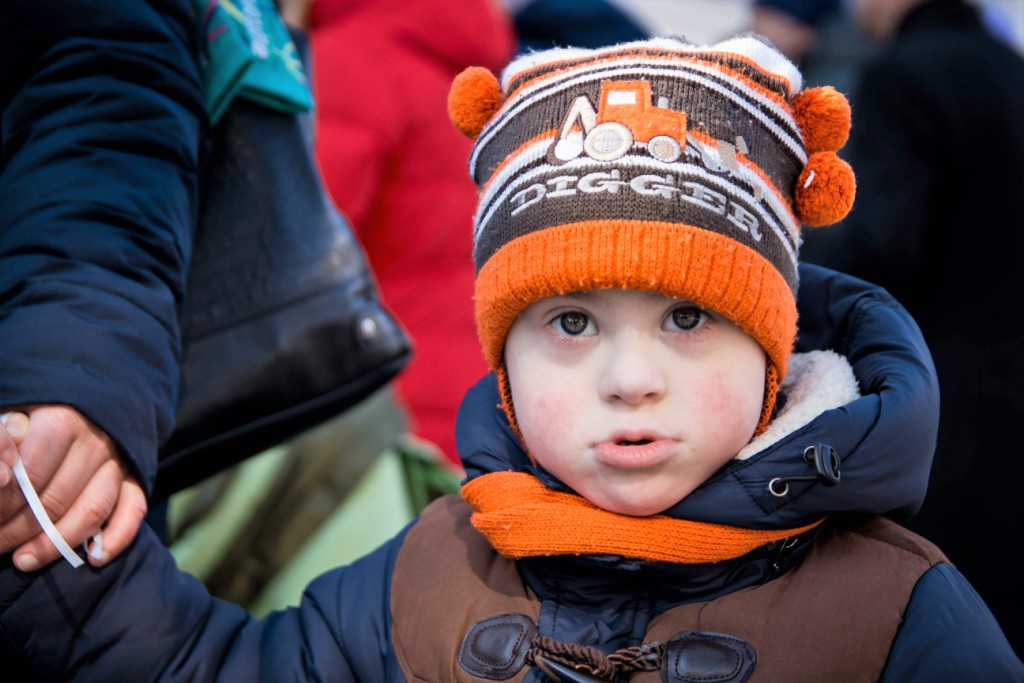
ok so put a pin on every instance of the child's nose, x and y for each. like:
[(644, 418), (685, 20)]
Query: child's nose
[(632, 374)]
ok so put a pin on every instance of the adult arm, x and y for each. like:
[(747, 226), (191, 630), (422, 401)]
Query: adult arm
[(949, 634), (102, 126)]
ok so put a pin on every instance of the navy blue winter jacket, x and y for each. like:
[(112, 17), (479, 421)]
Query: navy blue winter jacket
[(141, 619), (102, 125)]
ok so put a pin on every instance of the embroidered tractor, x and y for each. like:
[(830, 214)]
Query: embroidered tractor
[(624, 116)]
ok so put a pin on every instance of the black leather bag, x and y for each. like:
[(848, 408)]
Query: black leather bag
[(282, 325)]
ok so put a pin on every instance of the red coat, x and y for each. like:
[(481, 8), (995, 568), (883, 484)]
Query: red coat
[(396, 165)]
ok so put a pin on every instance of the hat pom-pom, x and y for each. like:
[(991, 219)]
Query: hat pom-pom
[(823, 115), (474, 97), (825, 190)]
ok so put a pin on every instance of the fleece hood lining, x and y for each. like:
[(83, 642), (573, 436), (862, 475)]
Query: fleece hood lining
[(817, 381)]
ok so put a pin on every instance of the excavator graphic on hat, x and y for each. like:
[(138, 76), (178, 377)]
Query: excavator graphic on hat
[(626, 115)]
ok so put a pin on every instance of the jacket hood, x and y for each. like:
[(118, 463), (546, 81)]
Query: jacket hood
[(459, 34), (884, 439)]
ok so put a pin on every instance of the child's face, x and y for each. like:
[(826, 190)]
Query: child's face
[(632, 398)]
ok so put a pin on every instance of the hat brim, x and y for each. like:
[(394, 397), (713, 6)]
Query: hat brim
[(680, 261)]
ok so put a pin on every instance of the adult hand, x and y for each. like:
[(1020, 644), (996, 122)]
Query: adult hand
[(81, 481)]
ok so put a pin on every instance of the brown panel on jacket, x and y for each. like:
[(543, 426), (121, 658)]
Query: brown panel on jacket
[(832, 618), (447, 578)]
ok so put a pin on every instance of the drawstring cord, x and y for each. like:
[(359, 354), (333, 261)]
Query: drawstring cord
[(826, 466), (574, 663)]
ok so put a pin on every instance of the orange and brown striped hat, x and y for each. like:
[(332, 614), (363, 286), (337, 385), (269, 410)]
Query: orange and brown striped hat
[(655, 165)]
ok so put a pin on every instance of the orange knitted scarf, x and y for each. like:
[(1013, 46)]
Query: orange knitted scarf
[(523, 518)]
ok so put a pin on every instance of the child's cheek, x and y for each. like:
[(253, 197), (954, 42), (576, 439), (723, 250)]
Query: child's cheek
[(731, 401), (717, 394), (727, 404), (548, 418), (547, 427)]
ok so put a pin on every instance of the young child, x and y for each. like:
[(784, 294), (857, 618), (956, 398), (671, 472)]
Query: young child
[(658, 487)]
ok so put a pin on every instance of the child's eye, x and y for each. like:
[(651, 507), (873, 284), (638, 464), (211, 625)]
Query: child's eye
[(686, 318), (573, 323)]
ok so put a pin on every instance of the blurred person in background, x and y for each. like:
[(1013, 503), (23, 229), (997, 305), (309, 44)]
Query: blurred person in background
[(396, 166), (938, 148), (543, 24), (700, 22), (792, 25), (819, 36)]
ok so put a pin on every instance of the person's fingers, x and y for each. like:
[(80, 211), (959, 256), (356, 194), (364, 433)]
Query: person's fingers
[(61, 452), (124, 522), (83, 519), (74, 468), (85, 455), (16, 426), (21, 525), (12, 433), (43, 449)]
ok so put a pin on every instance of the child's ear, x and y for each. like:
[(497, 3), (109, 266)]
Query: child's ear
[(474, 97)]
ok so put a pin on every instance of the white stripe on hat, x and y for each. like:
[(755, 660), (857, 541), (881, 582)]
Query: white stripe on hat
[(749, 46)]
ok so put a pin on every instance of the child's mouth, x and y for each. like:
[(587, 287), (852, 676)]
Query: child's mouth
[(633, 451)]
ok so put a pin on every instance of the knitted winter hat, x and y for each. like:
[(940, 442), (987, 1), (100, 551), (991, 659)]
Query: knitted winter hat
[(655, 165)]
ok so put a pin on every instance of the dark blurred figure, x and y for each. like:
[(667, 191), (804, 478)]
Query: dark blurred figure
[(938, 148), (792, 25), (818, 36), (543, 24)]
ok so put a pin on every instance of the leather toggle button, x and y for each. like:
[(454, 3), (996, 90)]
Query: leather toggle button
[(495, 648), (705, 657)]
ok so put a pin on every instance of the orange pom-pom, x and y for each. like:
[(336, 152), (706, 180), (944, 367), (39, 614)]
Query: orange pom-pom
[(825, 190), (474, 97), (823, 115)]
